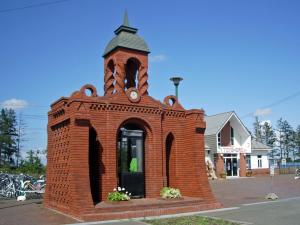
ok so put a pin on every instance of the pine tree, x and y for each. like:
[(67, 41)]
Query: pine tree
[(33, 162), (20, 138), (8, 136), (268, 137), (297, 141), (285, 138), (257, 129)]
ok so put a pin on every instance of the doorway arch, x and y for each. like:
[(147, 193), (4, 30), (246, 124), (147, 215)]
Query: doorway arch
[(170, 160), (131, 158), (95, 150)]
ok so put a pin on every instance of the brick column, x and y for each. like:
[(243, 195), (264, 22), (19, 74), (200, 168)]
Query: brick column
[(242, 165), (219, 165)]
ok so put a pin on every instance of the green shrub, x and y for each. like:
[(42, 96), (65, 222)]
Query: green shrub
[(168, 192), (118, 194)]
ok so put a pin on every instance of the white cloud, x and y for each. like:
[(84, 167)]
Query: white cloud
[(158, 58), (263, 112), (14, 104)]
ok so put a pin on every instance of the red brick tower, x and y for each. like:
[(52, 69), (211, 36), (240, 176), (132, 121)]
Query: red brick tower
[(124, 138)]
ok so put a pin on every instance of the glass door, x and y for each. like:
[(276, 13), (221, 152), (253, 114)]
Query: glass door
[(131, 162), (234, 166), (231, 165), (228, 166)]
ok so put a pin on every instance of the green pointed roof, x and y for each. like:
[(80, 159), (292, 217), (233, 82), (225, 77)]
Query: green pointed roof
[(126, 37)]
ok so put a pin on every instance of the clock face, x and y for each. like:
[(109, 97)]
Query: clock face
[(133, 95)]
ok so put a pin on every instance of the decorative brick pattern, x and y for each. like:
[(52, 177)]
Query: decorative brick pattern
[(58, 164), (82, 166)]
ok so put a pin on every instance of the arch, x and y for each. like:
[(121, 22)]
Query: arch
[(145, 124), (95, 150), (171, 100), (131, 72), (109, 77), (132, 144), (170, 160), (91, 88)]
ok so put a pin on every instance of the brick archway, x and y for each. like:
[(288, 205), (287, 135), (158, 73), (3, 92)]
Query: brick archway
[(95, 161), (136, 125), (170, 160)]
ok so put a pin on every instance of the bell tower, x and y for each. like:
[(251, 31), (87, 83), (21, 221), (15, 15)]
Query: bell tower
[(126, 62)]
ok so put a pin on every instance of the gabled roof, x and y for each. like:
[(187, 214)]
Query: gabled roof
[(255, 145), (216, 122)]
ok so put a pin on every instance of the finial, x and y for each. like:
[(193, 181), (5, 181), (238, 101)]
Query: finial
[(126, 21)]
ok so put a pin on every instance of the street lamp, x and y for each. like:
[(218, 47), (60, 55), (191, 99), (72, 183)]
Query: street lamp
[(176, 81)]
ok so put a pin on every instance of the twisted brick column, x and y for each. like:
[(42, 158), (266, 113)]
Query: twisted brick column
[(109, 82), (120, 78), (143, 80)]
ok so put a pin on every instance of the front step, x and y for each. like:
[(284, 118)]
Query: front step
[(146, 208), (149, 203)]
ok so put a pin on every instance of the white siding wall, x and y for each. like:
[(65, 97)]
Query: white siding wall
[(264, 158)]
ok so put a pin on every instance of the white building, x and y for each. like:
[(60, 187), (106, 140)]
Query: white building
[(228, 146)]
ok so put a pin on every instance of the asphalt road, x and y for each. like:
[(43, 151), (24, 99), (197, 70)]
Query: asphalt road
[(282, 212)]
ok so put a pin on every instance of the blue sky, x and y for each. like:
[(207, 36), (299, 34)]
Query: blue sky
[(233, 55)]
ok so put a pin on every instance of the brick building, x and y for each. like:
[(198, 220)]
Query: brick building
[(125, 138)]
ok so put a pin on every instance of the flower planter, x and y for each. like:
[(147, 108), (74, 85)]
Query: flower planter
[(249, 173), (223, 175)]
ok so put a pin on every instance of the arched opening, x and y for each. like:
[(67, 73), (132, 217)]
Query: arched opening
[(110, 80), (131, 163), (131, 70), (170, 160), (95, 165)]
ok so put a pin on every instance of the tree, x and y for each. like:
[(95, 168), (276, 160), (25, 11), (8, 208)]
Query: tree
[(32, 163), (297, 141), (293, 145), (285, 138), (257, 129), (20, 138), (268, 137), (8, 136)]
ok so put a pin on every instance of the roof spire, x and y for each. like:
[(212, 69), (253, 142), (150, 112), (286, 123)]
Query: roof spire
[(126, 21), (125, 26)]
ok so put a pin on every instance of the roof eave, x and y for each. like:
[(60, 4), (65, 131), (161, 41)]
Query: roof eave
[(117, 47)]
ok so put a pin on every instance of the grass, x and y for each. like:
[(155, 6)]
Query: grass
[(190, 220)]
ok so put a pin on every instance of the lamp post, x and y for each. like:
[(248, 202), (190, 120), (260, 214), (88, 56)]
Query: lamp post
[(176, 81)]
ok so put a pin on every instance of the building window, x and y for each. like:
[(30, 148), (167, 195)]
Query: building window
[(259, 161), (231, 136), (219, 139)]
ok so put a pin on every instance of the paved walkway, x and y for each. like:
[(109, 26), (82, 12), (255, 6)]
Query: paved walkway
[(231, 193), (29, 212)]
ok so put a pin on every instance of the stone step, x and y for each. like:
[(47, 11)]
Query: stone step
[(143, 212), (143, 204)]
